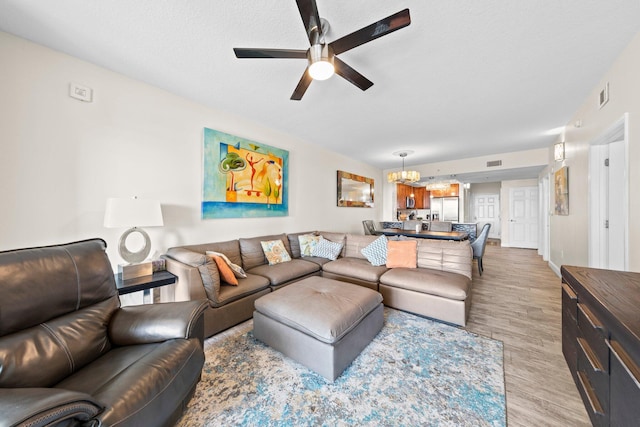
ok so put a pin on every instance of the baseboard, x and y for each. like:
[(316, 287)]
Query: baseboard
[(555, 269)]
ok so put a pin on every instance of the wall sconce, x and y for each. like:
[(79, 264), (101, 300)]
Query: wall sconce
[(558, 151)]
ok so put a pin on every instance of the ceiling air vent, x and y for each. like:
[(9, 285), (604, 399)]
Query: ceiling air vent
[(494, 163)]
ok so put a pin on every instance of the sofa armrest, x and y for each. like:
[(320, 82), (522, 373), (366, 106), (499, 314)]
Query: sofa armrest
[(45, 406), (142, 324)]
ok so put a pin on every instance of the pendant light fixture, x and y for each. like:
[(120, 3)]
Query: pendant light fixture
[(404, 176)]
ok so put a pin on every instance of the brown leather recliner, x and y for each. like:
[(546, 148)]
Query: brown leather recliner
[(70, 355)]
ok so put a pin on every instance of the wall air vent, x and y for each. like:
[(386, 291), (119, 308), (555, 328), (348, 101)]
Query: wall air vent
[(494, 163)]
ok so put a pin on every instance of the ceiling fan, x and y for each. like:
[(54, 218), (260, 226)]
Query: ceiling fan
[(322, 57)]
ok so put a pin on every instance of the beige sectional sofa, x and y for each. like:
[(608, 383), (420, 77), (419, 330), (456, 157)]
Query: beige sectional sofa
[(440, 286)]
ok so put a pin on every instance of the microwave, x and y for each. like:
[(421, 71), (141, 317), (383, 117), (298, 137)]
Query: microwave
[(411, 203)]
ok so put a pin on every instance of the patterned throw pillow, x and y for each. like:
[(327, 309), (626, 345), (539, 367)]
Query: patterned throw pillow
[(402, 253), (237, 270), (226, 274), (275, 252), (376, 251), (327, 249), (307, 243)]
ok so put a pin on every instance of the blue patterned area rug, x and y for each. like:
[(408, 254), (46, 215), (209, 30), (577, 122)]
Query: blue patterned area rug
[(416, 372)]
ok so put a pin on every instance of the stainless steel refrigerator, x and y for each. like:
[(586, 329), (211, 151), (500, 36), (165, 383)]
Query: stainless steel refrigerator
[(446, 208)]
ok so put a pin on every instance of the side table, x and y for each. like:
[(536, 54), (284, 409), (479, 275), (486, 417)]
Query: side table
[(145, 284)]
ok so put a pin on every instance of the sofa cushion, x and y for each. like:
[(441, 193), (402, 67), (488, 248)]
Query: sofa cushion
[(294, 242), (327, 249), (248, 286), (59, 350), (357, 268), (275, 252), (446, 255), (376, 251), (285, 272), (402, 254), (140, 383), (354, 244), (252, 253), (441, 283)]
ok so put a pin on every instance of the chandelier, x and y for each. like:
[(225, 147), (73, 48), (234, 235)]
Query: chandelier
[(438, 186), (403, 176)]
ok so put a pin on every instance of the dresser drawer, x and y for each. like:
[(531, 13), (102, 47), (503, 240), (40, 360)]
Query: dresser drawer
[(596, 376), (591, 403), (625, 387), (595, 334), (569, 303)]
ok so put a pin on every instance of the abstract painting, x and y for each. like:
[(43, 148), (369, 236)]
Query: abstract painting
[(243, 178), (562, 191)]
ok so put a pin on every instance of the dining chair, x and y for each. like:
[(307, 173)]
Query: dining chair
[(369, 227), (440, 226), (411, 224), (479, 244)]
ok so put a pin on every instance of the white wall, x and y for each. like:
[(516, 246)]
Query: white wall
[(569, 234), (62, 158)]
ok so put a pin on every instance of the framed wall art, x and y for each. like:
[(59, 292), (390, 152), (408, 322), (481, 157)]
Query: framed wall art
[(562, 191), (243, 178)]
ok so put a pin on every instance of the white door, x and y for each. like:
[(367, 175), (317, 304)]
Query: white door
[(523, 217), (614, 225), (486, 209)]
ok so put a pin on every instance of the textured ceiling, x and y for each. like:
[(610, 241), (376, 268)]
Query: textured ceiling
[(466, 78)]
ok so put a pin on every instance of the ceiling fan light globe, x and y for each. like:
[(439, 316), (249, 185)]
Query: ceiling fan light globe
[(321, 70)]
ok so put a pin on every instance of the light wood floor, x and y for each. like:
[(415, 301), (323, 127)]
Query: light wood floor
[(517, 300)]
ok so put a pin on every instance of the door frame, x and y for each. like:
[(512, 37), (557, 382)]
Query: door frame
[(545, 206), (618, 131)]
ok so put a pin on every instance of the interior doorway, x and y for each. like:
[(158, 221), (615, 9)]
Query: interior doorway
[(486, 209), (523, 217), (608, 199)]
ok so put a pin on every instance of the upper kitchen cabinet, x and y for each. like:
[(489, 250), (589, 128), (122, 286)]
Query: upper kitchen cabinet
[(422, 198)]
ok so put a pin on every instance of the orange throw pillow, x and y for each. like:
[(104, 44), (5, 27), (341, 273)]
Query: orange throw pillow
[(226, 274), (402, 253)]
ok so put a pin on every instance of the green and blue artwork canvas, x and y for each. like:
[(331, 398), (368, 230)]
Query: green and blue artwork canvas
[(243, 178)]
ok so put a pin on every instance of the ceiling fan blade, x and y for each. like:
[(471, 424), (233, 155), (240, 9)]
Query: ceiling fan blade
[(269, 53), (351, 75), (372, 32), (309, 13), (303, 84)]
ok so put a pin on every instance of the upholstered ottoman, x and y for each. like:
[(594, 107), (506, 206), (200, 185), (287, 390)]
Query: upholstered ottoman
[(322, 323)]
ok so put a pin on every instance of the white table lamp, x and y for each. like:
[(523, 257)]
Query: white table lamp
[(133, 213)]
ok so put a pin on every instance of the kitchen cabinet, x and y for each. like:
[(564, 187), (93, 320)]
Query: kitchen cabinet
[(422, 198), (403, 191)]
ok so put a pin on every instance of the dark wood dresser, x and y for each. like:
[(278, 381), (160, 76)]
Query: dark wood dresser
[(601, 341)]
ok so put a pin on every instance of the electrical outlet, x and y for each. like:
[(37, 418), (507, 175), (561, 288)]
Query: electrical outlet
[(81, 93)]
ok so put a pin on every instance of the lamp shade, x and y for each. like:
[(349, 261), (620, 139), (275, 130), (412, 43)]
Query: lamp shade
[(134, 212)]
